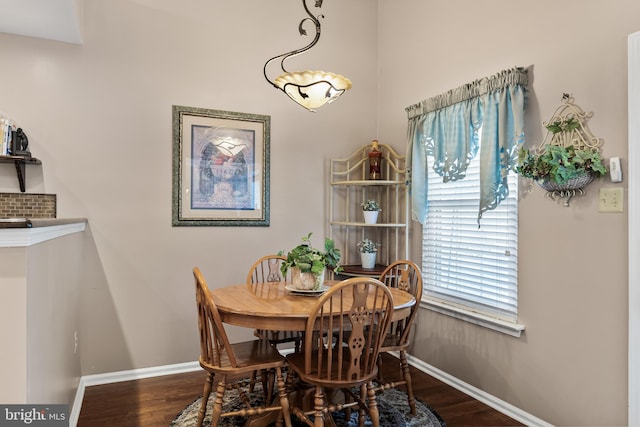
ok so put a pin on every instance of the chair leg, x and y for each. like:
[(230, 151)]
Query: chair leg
[(205, 398), (284, 399), (253, 379), (348, 398), (380, 379), (373, 405), (318, 406), (217, 403), (362, 412), (266, 377), (407, 379)]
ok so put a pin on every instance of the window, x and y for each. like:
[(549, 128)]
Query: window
[(461, 147), (466, 267)]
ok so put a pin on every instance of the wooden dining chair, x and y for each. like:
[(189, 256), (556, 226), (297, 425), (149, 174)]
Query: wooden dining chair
[(267, 270), (343, 336), (406, 276), (231, 365)]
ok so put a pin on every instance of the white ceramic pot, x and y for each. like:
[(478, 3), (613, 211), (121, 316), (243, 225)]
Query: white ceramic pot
[(367, 259), (306, 281), (370, 217)]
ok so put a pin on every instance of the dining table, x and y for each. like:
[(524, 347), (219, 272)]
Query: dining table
[(278, 306)]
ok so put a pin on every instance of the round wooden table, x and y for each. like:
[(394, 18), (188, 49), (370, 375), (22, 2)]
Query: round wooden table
[(271, 306)]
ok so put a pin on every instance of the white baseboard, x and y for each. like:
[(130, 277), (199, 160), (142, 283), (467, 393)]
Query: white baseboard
[(482, 396), (114, 377), (468, 389)]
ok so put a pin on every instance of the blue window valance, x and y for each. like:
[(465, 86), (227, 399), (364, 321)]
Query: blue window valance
[(448, 127)]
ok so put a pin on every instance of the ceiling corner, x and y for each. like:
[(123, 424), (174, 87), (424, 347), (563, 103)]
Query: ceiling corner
[(60, 20)]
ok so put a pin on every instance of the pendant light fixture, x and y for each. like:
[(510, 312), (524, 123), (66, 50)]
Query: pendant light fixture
[(311, 89)]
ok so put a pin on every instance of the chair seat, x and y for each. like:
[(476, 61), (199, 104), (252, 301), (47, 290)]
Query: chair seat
[(248, 355), (296, 362)]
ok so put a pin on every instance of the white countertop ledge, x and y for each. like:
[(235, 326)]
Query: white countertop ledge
[(24, 237)]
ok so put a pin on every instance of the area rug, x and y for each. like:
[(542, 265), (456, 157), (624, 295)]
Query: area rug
[(392, 404)]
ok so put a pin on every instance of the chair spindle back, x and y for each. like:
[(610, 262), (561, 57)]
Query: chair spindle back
[(267, 269), (406, 276), (346, 328), (215, 349)]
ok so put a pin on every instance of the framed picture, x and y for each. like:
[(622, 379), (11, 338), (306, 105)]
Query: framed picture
[(220, 168)]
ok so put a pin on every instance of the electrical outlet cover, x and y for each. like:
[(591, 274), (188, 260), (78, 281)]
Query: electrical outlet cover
[(611, 200)]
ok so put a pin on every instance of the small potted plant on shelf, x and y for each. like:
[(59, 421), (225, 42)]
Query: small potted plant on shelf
[(368, 251), (308, 264), (370, 209)]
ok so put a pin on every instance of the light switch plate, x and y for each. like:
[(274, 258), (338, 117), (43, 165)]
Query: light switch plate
[(611, 200)]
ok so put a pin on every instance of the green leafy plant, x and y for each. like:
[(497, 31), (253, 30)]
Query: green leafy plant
[(370, 205), (566, 125), (368, 246), (311, 260), (560, 164)]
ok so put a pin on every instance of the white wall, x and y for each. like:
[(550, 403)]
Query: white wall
[(570, 366)]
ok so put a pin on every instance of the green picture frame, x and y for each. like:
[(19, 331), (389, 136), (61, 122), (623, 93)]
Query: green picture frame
[(220, 168)]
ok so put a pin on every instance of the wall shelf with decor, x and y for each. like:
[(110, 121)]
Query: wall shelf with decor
[(20, 162), (355, 179)]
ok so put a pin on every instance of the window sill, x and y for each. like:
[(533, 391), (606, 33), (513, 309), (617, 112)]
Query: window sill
[(503, 326)]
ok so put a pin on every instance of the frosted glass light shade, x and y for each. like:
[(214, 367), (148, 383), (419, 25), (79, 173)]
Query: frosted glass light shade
[(312, 89)]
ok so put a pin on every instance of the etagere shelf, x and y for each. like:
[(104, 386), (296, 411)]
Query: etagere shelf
[(350, 186)]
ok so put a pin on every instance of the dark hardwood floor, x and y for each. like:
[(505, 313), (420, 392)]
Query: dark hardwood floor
[(156, 401)]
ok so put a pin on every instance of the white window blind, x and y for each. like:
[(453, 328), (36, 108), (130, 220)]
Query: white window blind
[(472, 267)]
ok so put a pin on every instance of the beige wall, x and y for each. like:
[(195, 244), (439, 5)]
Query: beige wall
[(570, 366), (39, 293), (13, 294), (53, 271), (99, 116)]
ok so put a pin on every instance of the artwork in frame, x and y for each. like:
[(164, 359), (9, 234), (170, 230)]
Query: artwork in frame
[(220, 168)]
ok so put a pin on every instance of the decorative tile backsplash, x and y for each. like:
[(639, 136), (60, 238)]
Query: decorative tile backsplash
[(25, 205)]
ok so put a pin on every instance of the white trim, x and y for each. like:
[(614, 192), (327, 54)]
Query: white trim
[(486, 398), (634, 229), (138, 374), (509, 328), (130, 375), (77, 404), (21, 237)]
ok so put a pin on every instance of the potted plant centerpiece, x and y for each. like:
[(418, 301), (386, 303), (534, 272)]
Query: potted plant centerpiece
[(370, 209), (308, 265), (368, 251)]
